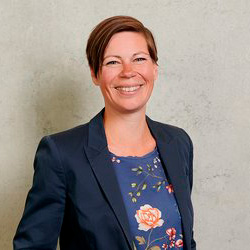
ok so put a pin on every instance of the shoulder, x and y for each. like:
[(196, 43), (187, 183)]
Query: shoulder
[(76, 133), (172, 130), (169, 132), (69, 140)]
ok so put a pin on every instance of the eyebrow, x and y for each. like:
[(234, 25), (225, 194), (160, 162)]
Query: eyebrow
[(135, 54)]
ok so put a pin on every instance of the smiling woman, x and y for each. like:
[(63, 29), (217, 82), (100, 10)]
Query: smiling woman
[(128, 73), (121, 181)]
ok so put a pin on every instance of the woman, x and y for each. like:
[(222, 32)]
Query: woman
[(121, 181)]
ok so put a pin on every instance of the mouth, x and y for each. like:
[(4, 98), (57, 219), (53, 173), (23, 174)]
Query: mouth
[(128, 89)]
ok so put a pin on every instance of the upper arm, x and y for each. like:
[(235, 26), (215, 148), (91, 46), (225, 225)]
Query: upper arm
[(190, 175), (40, 225), (191, 157)]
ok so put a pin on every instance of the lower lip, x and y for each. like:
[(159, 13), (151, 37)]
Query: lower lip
[(129, 93)]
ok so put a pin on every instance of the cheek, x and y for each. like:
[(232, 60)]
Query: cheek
[(108, 76), (149, 73)]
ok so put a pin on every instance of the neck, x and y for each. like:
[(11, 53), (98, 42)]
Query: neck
[(128, 133)]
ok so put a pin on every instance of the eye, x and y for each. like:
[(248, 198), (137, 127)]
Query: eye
[(140, 59), (112, 62)]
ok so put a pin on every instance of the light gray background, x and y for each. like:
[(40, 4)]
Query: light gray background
[(203, 87)]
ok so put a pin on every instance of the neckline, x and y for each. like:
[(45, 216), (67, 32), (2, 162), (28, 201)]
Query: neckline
[(147, 155)]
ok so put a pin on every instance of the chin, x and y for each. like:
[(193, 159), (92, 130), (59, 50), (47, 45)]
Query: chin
[(129, 110)]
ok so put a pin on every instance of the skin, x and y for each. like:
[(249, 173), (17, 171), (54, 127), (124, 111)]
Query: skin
[(127, 65)]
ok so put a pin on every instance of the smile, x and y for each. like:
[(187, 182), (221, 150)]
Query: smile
[(128, 89)]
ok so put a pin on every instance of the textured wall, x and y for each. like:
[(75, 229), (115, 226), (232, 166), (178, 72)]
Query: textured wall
[(204, 87)]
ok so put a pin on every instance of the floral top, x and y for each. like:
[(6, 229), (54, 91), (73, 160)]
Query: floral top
[(154, 218)]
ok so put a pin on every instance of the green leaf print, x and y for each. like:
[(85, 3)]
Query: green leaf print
[(144, 186), (141, 240), (148, 172)]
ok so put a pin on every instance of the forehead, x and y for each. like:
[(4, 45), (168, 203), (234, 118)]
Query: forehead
[(126, 42)]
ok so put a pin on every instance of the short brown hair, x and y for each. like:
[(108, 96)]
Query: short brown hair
[(102, 33)]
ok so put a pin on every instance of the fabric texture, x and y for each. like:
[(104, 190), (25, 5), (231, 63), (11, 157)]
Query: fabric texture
[(149, 200)]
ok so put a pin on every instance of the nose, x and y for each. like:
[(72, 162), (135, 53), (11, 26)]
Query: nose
[(127, 70)]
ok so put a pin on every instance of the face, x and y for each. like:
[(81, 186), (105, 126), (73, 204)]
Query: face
[(127, 76)]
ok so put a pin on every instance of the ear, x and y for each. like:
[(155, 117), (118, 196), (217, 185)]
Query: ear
[(155, 71), (94, 78)]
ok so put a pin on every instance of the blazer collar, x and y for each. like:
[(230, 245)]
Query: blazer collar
[(98, 155), (97, 138)]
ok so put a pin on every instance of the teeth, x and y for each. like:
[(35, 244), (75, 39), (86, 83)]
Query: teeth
[(128, 89)]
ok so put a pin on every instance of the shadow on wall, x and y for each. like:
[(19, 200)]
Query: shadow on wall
[(62, 100), (54, 99)]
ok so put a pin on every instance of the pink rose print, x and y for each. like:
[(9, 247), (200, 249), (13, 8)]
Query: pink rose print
[(171, 232), (148, 218), (165, 246), (179, 243), (170, 188), (171, 245)]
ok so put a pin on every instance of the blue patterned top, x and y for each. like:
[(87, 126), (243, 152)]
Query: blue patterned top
[(154, 218)]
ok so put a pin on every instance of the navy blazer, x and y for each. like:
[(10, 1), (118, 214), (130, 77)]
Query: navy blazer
[(75, 195)]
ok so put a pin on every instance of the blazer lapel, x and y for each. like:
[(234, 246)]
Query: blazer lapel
[(98, 155), (99, 158), (169, 152)]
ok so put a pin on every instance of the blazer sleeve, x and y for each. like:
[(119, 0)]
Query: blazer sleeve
[(191, 156), (41, 222)]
